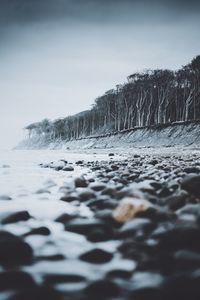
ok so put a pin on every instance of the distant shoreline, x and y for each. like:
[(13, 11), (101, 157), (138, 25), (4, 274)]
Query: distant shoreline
[(167, 135)]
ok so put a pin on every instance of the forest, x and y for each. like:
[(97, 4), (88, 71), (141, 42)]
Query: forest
[(150, 98)]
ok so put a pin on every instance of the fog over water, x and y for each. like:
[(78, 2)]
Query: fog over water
[(57, 56)]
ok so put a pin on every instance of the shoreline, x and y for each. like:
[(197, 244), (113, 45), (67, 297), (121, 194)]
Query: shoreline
[(170, 135), (88, 222)]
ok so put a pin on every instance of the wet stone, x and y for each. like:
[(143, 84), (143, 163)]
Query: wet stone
[(137, 226), (5, 166), (158, 214), (114, 167), (185, 260), (80, 182), (13, 280), (147, 293), (43, 191), (109, 191), (97, 186), (39, 231), (100, 234), (191, 170), (86, 194), (86, 226), (70, 197), (190, 208), (68, 168), (105, 214), (39, 293), (179, 238), (111, 154), (164, 192), (53, 257), (153, 162), (14, 217), (119, 274), (62, 278), (191, 183), (102, 203), (107, 288), (65, 218), (79, 162), (96, 256), (181, 286), (5, 197), (13, 250), (177, 200)]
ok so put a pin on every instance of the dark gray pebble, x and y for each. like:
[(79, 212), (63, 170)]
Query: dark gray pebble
[(96, 256), (13, 250)]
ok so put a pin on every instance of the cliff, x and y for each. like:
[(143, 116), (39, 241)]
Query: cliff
[(183, 134)]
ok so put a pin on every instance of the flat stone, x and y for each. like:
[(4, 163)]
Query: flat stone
[(70, 197), (8, 218), (97, 186), (191, 170), (43, 191), (96, 256), (79, 162), (111, 154), (62, 278), (5, 197), (39, 231), (119, 274), (68, 168), (87, 226)]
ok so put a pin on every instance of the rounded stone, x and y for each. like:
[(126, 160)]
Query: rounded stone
[(97, 256)]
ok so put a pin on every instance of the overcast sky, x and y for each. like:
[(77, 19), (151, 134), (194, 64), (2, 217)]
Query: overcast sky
[(57, 56)]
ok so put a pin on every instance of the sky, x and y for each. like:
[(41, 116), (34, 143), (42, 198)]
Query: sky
[(57, 56)]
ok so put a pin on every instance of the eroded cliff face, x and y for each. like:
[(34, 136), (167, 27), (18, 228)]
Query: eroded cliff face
[(168, 136)]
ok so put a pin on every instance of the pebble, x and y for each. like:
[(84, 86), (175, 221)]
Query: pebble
[(137, 226), (39, 293), (129, 208), (13, 250), (191, 183), (68, 168), (13, 217), (86, 194), (52, 279), (5, 197), (13, 280), (106, 288), (96, 256), (80, 182), (97, 186), (85, 226), (39, 231), (111, 154)]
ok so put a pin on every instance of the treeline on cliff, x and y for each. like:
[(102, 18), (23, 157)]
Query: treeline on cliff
[(153, 97)]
